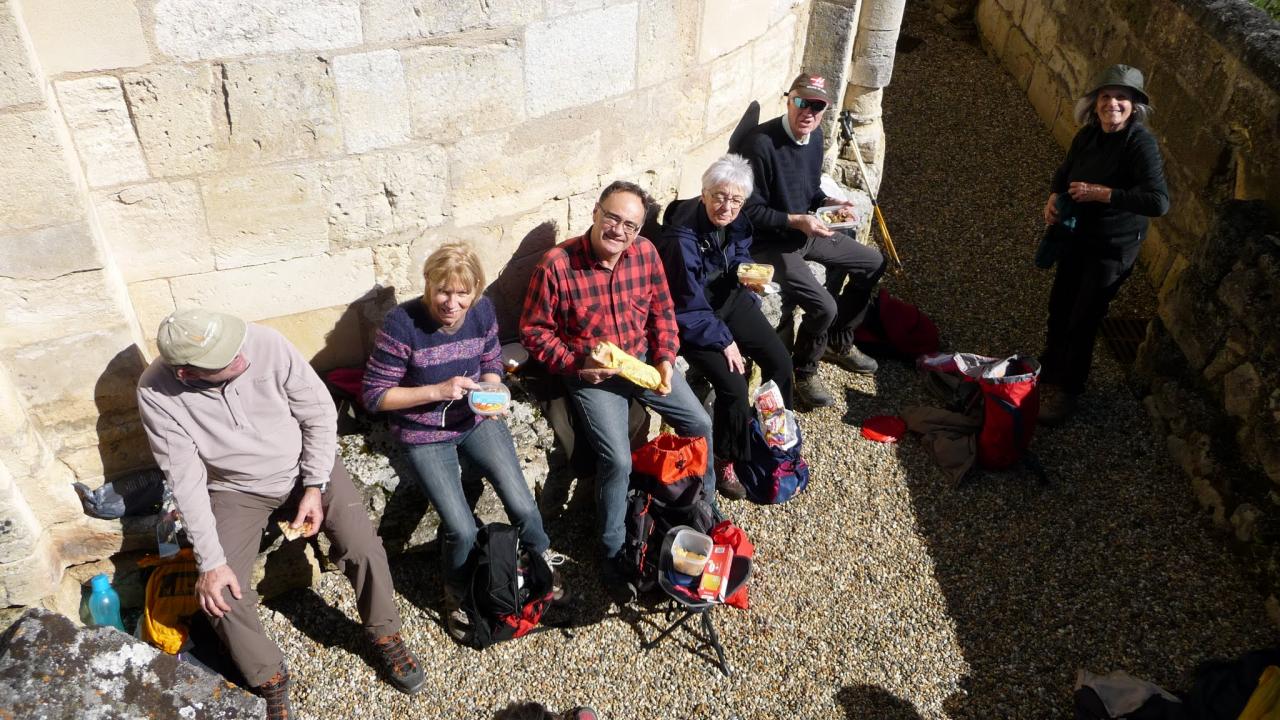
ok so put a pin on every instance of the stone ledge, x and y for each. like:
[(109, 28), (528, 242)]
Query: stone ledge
[(1245, 30)]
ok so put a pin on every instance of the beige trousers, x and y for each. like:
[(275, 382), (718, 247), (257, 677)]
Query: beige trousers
[(357, 551)]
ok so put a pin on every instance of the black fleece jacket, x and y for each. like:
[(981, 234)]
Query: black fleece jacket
[(1129, 162)]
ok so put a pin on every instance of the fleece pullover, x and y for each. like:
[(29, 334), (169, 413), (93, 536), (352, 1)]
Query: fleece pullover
[(788, 179), (258, 433)]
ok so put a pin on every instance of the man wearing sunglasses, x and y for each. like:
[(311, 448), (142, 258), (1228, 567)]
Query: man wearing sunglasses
[(609, 284), (786, 157), (242, 426)]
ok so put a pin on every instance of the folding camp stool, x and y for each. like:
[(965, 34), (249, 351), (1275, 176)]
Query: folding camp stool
[(739, 574)]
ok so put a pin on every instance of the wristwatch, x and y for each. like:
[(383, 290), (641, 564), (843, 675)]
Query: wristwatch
[(323, 487)]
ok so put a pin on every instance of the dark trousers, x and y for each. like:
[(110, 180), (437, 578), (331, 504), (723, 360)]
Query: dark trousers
[(828, 318), (756, 340), (1090, 273)]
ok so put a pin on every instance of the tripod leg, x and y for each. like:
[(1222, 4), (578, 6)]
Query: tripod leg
[(713, 639), (670, 629)]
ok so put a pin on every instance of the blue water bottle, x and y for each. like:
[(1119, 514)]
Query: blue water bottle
[(104, 603)]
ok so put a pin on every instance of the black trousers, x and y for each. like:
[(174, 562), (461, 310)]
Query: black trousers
[(1090, 273), (828, 317), (756, 339)]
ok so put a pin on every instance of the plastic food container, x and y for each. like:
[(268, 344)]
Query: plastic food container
[(837, 217), (689, 552), (755, 272), (489, 399)]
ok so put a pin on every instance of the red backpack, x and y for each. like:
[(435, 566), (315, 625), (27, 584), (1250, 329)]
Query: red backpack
[(896, 328), (1010, 405)]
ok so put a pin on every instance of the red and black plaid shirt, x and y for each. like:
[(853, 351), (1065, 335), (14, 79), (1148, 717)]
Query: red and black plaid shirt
[(575, 302)]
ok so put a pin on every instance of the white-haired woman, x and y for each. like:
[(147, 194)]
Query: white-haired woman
[(1114, 177), (719, 318)]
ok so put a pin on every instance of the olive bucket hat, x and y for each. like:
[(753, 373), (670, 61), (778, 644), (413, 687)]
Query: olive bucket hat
[(1122, 76)]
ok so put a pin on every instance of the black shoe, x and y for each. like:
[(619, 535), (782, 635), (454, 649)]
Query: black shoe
[(853, 360), (276, 692), (402, 666), (617, 582), (811, 394)]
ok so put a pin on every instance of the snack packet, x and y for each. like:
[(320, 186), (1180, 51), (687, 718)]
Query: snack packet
[(780, 429), (767, 399), (631, 368)]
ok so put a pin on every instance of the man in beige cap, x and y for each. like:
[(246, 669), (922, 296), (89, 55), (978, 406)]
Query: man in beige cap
[(242, 425), (786, 157)]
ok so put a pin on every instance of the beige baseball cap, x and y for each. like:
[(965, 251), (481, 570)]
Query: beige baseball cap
[(200, 338)]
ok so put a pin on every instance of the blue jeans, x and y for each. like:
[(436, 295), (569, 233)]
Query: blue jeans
[(489, 447), (604, 415)]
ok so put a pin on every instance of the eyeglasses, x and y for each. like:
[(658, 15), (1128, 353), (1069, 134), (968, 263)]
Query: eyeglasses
[(732, 201), (608, 220), (815, 106)]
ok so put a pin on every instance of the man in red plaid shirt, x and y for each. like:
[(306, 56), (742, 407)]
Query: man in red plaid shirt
[(609, 285)]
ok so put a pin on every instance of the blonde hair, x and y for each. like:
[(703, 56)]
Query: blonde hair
[(450, 263)]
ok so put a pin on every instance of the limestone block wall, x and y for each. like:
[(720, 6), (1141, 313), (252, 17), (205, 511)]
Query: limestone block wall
[(293, 162), (1209, 364)]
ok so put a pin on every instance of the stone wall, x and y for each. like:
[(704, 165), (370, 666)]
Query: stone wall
[(293, 161), (1210, 365)]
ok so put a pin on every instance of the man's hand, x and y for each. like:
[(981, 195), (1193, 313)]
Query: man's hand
[(310, 510), (595, 373), (209, 589), (455, 388), (665, 372), (734, 358), (1051, 210), (809, 225)]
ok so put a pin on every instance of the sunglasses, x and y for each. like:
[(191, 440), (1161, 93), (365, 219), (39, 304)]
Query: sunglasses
[(816, 106)]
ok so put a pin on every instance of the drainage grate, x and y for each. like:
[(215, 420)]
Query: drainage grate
[(1123, 335)]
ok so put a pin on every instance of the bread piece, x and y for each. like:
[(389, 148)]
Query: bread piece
[(291, 533), (612, 356)]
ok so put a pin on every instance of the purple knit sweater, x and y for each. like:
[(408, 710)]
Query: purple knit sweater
[(411, 351)]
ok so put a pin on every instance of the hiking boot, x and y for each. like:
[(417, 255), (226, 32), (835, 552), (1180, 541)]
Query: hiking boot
[(811, 394), (617, 582), (727, 483), (853, 360), (554, 560), (456, 621), (1056, 405), (276, 692), (401, 664)]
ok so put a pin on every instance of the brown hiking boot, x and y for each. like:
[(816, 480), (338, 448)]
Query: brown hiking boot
[(727, 483), (403, 668), (276, 692), (1056, 405)]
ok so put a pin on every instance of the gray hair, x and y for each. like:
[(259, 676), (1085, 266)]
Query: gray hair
[(1085, 111), (730, 169)]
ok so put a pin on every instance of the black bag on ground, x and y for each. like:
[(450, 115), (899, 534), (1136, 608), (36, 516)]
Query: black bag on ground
[(510, 588), (649, 517)]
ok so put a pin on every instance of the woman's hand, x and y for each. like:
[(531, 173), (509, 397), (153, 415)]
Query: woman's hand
[(1089, 192), (734, 358), (455, 388), (1051, 210)]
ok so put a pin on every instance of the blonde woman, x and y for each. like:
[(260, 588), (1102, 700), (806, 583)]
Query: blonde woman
[(430, 352)]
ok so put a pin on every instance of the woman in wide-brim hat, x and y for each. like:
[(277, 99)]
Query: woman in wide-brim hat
[(1110, 183)]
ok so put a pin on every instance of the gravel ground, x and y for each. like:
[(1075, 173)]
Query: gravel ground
[(882, 592)]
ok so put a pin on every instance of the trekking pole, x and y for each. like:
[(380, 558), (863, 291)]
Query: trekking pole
[(846, 124)]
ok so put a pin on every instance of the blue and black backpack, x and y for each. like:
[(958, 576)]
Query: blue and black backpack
[(772, 475)]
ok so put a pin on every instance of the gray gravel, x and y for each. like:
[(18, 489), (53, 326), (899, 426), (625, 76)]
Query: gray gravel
[(882, 592)]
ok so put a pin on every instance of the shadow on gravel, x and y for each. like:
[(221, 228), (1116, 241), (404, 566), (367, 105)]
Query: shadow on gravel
[(1112, 565), (872, 702)]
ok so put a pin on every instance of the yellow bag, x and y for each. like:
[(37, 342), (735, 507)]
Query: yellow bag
[(1264, 703), (171, 600)]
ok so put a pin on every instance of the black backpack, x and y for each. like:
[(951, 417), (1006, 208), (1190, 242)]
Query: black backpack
[(652, 510), (510, 588)]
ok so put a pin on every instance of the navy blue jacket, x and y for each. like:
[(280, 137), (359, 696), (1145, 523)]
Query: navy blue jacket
[(701, 272)]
